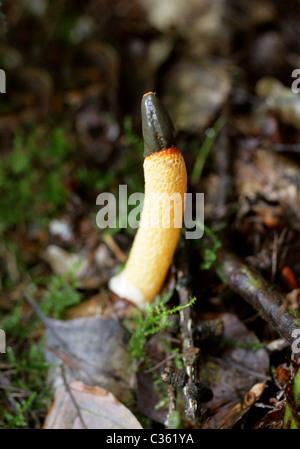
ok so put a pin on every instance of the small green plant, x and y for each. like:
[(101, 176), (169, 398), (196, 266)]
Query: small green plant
[(18, 420), (211, 135), (209, 254), (290, 417), (154, 320), (12, 322), (61, 293), (30, 364)]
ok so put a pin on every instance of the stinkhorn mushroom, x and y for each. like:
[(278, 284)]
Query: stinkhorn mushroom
[(165, 185)]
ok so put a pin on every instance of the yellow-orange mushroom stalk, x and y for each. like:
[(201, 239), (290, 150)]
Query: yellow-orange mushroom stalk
[(161, 221)]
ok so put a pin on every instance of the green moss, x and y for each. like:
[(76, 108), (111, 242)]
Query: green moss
[(142, 326), (27, 375), (61, 293), (32, 178)]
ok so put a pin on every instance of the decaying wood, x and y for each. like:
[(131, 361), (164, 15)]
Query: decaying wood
[(252, 287), (190, 352), (194, 391)]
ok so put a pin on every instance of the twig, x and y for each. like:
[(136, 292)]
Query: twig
[(238, 366), (112, 245), (252, 287), (65, 358), (35, 307), (67, 386), (163, 362), (194, 391), (42, 316), (283, 147), (190, 353)]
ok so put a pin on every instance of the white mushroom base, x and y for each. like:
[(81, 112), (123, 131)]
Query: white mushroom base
[(123, 288)]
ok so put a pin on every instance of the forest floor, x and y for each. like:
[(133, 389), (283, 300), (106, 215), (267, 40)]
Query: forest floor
[(70, 129)]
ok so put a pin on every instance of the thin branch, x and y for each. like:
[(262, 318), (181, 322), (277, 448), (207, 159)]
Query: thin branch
[(252, 287), (163, 362), (67, 386), (190, 352), (47, 322)]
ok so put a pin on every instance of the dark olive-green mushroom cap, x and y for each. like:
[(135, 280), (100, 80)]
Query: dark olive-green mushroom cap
[(158, 128)]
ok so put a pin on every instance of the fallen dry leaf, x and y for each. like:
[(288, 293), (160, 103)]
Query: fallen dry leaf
[(254, 394), (105, 303), (93, 350), (233, 373), (95, 408)]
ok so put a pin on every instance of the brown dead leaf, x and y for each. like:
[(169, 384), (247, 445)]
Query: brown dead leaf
[(274, 418), (254, 394), (93, 350), (232, 373), (106, 304), (240, 409), (92, 306), (96, 408)]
